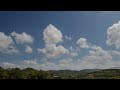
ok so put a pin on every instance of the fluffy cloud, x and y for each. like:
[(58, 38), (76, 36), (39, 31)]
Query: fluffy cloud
[(53, 51), (113, 35), (97, 57), (7, 44), (114, 53), (5, 40), (82, 42), (29, 62), (74, 54), (10, 50), (28, 49), (52, 35), (68, 38), (100, 58), (22, 38)]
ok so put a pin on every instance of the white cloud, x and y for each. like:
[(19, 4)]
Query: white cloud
[(95, 47), (64, 61), (49, 66), (71, 48), (10, 50), (68, 38), (22, 38), (28, 49), (44, 60), (23, 64), (53, 51), (8, 65), (7, 44), (114, 53), (52, 35), (97, 58), (82, 42), (113, 35), (42, 50), (5, 40), (30, 62), (74, 54)]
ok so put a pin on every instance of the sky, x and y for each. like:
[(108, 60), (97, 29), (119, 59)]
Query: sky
[(60, 40)]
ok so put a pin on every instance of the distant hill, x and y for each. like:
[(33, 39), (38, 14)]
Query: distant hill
[(115, 68), (89, 70), (81, 71)]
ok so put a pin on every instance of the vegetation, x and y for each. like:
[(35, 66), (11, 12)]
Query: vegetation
[(30, 73)]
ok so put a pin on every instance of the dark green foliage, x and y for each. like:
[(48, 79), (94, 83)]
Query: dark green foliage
[(30, 73), (27, 73)]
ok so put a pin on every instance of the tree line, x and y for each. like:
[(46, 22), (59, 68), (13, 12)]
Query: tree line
[(30, 73)]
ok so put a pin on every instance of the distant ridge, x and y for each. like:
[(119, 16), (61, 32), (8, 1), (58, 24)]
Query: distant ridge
[(89, 70), (80, 71)]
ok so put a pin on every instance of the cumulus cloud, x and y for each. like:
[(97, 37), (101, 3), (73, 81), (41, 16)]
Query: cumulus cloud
[(97, 57), (113, 35), (52, 35), (5, 40), (22, 38), (114, 53), (7, 44), (82, 42), (29, 62), (53, 51), (28, 49), (74, 54), (10, 50), (68, 38)]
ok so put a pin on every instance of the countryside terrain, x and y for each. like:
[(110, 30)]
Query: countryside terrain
[(30, 73)]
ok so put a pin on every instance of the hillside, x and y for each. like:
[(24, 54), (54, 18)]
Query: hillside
[(30, 73)]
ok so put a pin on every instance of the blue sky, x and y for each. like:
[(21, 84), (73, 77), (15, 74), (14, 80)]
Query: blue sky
[(90, 25)]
